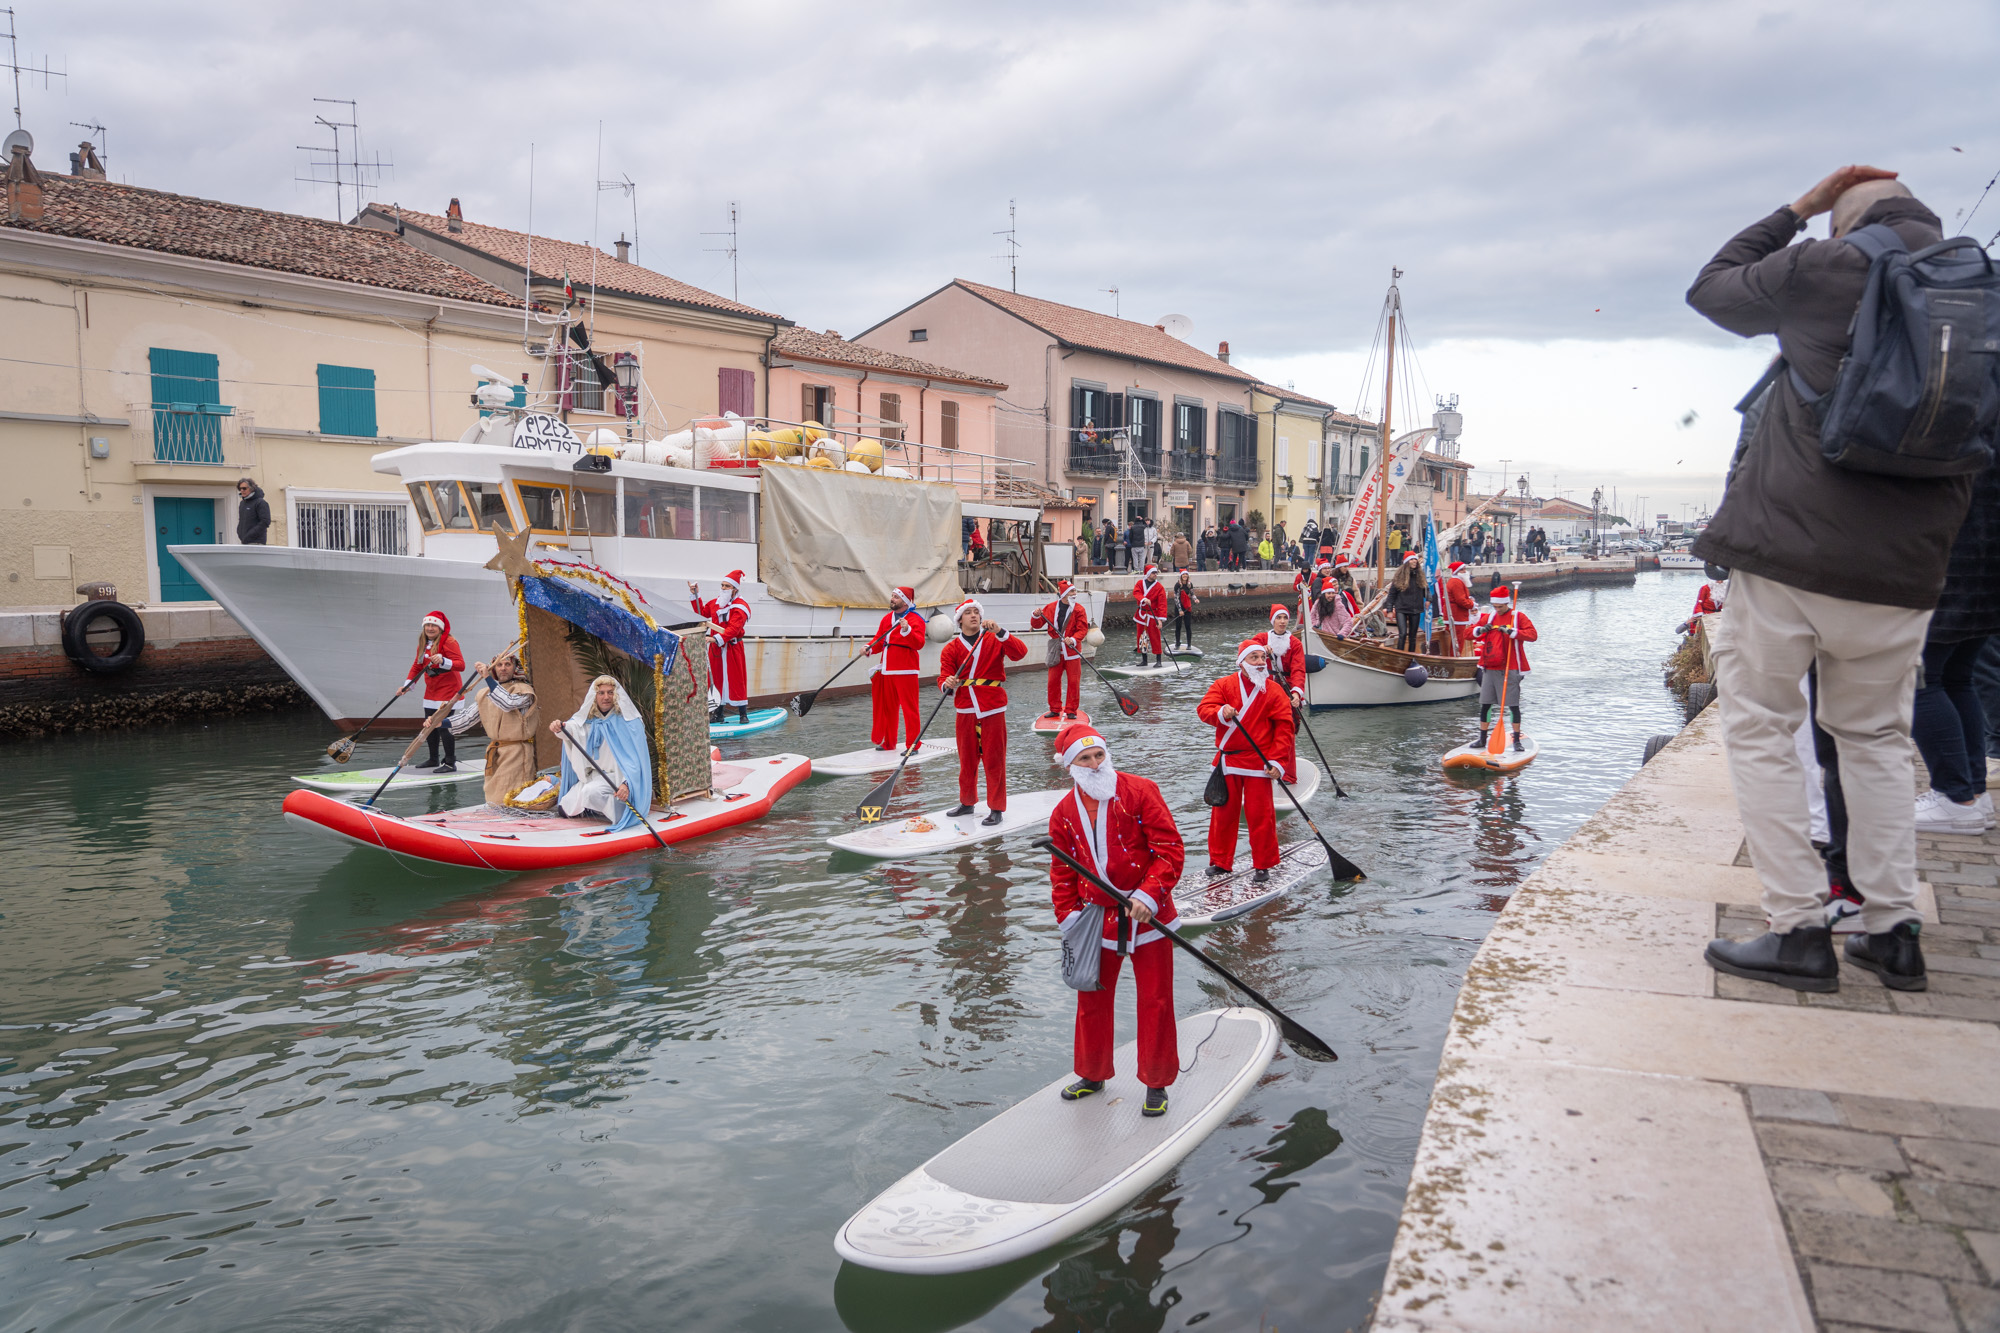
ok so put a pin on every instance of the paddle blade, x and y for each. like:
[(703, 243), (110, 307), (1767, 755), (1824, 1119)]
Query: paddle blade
[(1343, 869), (875, 802), (803, 703), (1305, 1044), (1126, 704), (340, 751)]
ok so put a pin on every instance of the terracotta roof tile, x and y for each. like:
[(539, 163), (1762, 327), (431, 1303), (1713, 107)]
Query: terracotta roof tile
[(556, 257), (179, 224), (1104, 333), (1294, 396), (809, 346)]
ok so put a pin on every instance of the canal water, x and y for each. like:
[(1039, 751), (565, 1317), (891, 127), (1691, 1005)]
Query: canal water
[(249, 1080)]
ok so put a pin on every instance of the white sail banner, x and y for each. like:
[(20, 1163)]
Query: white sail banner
[(1368, 505)]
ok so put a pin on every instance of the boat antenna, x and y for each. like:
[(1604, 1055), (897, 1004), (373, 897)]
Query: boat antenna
[(1394, 302), (528, 264)]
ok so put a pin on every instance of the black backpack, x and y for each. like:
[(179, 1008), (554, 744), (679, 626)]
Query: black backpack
[(1918, 393)]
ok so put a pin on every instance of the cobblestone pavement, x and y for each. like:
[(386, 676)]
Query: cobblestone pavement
[(1893, 1207)]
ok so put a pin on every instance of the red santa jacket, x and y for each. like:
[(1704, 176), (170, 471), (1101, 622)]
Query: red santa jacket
[(1139, 839), (1152, 602), (440, 682), (1459, 598), (1291, 663), (1074, 626), (1704, 602), (1184, 596), (1268, 719), (900, 640), (981, 665), (733, 615), (1496, 645)]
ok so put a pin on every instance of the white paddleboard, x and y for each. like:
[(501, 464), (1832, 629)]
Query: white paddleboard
[(1189, 652), (1047, 1169), (1133, 672), (860, 763), (1202, 901), (920, 835), (358, 783), (1305, 788)]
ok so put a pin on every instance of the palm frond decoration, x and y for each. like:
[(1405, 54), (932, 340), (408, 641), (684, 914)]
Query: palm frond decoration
[(598, 658)]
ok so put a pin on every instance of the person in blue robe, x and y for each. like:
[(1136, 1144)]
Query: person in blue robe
[(608, 727)]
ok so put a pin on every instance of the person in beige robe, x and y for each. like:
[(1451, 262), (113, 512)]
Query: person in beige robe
[(508, 712)]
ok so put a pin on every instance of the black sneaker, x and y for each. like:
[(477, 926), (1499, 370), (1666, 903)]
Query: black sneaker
[(1800, 959), (1895, 956), (957, 810), (1156, 1102), (1082, 1088), (1261, 877), (1480, 744), (446, 767), (993, 817), (1217, 872), (1518, 747)]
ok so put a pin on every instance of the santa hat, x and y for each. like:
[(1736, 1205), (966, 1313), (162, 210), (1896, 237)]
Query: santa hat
[(1457, 565), (1501, 596), (909, 595), (435, 618), (1411, 558), (970, 603), (1324, 564), (1152, 570), (1343, 561), (1064, 588), (1074, 739), (1279, 609), (734, 578), (1249, 646)]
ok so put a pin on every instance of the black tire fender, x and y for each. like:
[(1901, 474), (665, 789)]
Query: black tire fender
[(131, 637), (1699, 696), (1653, 747)]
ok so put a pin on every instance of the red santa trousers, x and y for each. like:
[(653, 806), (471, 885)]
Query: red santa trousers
[(1149, 632), (983, 741), (1066, 685), (1248, 798), (893, 695), (1159, 1049)]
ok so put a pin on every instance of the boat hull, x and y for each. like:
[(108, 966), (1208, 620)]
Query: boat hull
[(1368, 676)]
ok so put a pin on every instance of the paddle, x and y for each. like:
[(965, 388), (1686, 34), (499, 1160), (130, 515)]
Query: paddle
[(1300, 712), (1342, 867), (875, 802), (803, 703), (1125, 704), (343, 749), (1301, 1040), (1496, 742), (571, 738), (439, 715)]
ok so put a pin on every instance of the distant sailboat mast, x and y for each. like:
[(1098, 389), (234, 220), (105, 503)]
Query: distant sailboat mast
[(1388, 402)]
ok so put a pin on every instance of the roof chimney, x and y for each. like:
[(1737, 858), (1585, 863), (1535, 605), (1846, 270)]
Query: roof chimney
[(83, 162), (24, 187), (1222, 353), (624, 248), (454, 217)]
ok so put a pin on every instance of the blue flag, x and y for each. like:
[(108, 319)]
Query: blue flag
[(1430, 572)]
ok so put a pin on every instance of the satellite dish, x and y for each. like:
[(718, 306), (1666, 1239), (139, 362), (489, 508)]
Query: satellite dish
[(1178, 326), (18, 139), (482, 373)]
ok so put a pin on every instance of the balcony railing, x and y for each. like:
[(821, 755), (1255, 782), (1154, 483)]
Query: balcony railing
[(1186, 466), (203, 434), (1236, 470), (1096, 457)]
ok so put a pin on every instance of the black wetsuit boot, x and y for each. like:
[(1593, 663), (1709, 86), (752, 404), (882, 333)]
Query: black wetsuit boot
[(1515, 713)]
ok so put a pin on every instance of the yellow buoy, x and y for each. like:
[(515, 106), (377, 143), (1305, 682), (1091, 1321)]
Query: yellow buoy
[(867, 452)]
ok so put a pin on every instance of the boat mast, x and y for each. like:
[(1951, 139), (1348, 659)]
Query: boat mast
[(1388, 402)]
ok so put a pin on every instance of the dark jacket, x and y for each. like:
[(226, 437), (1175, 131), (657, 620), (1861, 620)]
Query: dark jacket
[(1969, 607), (253, 517), (1412, 599), (1239, 538), (1787, 515)]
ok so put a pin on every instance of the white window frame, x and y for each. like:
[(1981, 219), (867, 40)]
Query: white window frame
[(413, 533)]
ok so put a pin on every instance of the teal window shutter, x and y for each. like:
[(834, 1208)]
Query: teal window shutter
[(183, 384), (346, 401)]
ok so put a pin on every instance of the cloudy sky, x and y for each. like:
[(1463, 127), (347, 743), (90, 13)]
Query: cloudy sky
[(1549, 176)]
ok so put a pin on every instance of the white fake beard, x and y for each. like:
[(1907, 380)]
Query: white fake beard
[(1257, 674), (1280, 643), (1099, 784)]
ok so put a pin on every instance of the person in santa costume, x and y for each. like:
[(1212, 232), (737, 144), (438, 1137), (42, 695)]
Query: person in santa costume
[(1149, 614), (1288, 653), (439, 662), (1066, 622), (728, 616), (1185, 601), (1707, 602), (974, 666), (1459, 606), (1248, 702), (1501, 632), (1120, 826), (893, 685)]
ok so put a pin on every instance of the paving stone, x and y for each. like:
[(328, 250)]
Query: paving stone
[(1742, 988), (1855, 1241), (1978, 892), (1817, 1190), (1986, 950), (1974, 1123), (1889, 1115), (1937, 1004), (1978, 1307), (1902, 1301), (1832, 1147), (1962, 964), (1952, 1205), (1795, 1104), (1989, 875), (1986, 1244), (1936, 947), (1960, 1163), (1859, 991)]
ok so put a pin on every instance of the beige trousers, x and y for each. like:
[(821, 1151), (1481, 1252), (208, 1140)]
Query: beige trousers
[(1868, 659)]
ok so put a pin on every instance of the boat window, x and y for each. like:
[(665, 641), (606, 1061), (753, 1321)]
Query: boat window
[(659, 509), (593, 512), (489, 506), (726, 516), (452, 513), (547, 507), (420, 496)]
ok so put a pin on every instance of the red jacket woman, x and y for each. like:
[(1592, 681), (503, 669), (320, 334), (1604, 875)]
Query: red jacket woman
[(439, 663)]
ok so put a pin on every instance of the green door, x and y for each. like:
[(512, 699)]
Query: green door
[(179, 522)]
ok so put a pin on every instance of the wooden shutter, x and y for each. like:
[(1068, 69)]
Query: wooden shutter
[(891, 410), (736, 391), (808, 403), (948, 423), (347, 401)]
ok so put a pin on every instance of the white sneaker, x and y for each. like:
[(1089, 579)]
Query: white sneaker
[(1936, 814), (1984, 805)]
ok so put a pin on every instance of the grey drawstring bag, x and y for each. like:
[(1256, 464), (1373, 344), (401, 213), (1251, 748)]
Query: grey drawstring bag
[(1082, 943)]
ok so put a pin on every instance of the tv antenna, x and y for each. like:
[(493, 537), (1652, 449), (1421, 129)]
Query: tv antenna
[(1114, 299), (630, 188), (729, 249), (348, 167), (99, 133), (14, 64), (1013, 255)]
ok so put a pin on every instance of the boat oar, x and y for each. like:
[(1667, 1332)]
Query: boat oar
[(1342, 867), (803, 703), (343, 749), (440, 716), (1326, 768), (1301, 1040), (875, 802), (1125, 703), (571, 738)]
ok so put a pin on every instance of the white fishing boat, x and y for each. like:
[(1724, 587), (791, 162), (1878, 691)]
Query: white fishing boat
[(1681, 560), (818, 559)]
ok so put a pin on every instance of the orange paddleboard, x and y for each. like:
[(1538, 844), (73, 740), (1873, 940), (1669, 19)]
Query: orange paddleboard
[(1051, 723)]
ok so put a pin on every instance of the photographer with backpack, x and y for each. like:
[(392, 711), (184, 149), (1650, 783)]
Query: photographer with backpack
[(1872, 421)]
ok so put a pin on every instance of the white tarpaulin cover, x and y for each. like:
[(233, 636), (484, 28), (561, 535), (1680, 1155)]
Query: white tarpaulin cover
[(845, 539)]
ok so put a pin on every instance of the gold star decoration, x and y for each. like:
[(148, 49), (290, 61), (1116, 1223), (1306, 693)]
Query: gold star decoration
[(512, 557)]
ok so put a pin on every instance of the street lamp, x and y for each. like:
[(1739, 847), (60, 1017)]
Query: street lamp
[(626, 367)]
